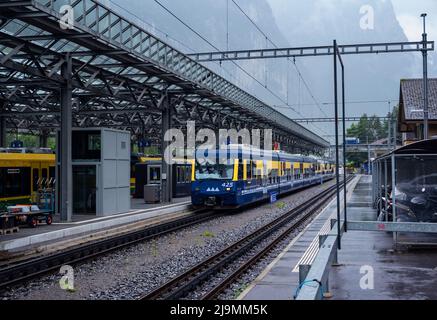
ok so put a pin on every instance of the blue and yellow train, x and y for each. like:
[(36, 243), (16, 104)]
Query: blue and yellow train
[(251, 175)]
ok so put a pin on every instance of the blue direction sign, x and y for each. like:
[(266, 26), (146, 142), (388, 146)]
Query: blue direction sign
[(143, 143), (273, 197), (17, 144)]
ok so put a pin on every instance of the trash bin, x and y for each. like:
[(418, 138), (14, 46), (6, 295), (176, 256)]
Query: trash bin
[(152, 193)]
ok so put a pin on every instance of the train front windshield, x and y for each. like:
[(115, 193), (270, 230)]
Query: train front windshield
[(214, 171)]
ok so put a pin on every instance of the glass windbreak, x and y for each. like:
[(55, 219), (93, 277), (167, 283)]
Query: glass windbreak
[(416, 188), (208, 171)]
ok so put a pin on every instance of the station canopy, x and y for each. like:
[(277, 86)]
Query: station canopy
[(121, 74)]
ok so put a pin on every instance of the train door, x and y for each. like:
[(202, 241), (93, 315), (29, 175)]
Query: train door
[(181, 180)]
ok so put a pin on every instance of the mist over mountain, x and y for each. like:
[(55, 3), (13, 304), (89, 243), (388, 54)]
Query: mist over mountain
[(368, 77), (288, 23)]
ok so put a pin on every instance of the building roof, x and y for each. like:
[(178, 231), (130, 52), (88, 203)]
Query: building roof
[(423, 147), (411, 99)]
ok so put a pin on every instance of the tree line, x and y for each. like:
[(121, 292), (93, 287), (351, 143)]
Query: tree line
[(369, 129)]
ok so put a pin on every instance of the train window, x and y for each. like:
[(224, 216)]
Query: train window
[(188, 170), (52, 172), (240, 169), (35, 179), (183, 174), (249, 169), (44, 175), (296, 174), (274, 176), (15, 182), (255, 171), (179, 175), (154, 174)]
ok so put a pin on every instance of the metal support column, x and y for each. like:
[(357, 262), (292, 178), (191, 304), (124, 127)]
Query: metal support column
[(368, 157), (395, 134), (167, 193), (393, 185), (390, 141), (425, 81), (3, 132), (344, 147), (66, 179), (337, 160), (385, 190)]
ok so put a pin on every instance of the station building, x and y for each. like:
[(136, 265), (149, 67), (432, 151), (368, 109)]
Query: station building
[(410, 118)]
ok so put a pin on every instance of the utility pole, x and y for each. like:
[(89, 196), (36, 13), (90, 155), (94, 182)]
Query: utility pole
[(368, 155), (389, 142), (425, 79)]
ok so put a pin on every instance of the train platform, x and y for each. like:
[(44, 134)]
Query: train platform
[(395, 273), (83, 226)]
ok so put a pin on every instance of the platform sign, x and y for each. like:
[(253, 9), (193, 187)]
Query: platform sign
[(273, 197), (143, 143), (17, 144)]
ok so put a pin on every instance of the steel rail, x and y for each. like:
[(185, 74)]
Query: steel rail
[(214, 293), (27, 270), (184, 283)]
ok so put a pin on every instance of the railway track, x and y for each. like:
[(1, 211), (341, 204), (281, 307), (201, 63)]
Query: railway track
[(187, 282), (27, 270), (16, 274)]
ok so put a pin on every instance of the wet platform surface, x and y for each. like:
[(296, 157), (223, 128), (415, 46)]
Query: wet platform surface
[(405, 273), (409, 272), (139, 208)]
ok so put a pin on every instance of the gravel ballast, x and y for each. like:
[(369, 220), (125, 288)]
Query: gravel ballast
[(136, 270)]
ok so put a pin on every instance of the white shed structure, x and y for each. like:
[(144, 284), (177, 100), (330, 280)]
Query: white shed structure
[(100, 171)]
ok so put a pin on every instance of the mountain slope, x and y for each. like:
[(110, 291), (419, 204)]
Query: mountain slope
[(289, 23)]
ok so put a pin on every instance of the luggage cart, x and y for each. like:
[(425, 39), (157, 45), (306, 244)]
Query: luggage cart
[(32, 215)]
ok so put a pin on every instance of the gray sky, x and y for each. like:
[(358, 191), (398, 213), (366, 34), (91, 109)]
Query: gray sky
[(408, 14)]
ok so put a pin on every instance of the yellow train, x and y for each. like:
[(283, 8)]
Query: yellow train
[(23, 173), (247, 177), (147, 170)]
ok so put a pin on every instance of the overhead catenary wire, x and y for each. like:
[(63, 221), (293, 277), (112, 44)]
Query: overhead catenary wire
[(217, 49), (348, 102), (274, 44), (301, 78), (213, 46), (153, 30)]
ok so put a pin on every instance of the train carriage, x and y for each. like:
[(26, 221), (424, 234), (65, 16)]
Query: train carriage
[(23, 173), (147, 170), (249, 175)]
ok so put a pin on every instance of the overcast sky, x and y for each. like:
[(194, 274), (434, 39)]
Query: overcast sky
[(408, 14)]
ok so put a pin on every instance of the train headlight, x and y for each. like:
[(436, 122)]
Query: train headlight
[(228, 189)]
